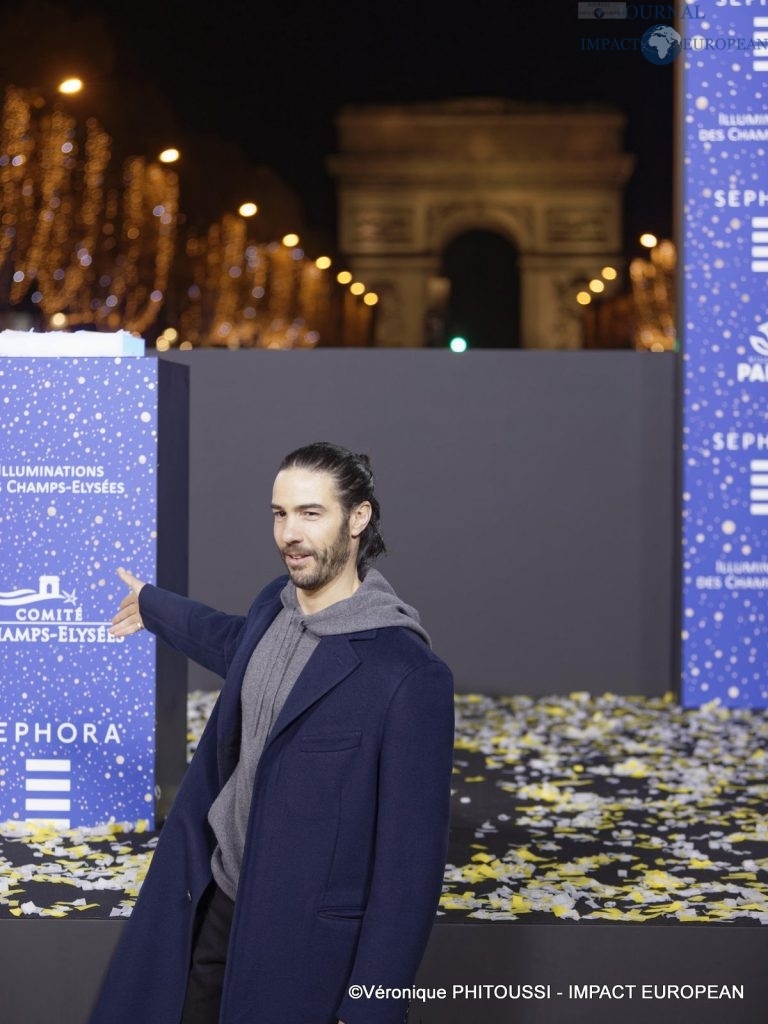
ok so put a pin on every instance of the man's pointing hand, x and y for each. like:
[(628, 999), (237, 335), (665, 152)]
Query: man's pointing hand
[(128, 619)]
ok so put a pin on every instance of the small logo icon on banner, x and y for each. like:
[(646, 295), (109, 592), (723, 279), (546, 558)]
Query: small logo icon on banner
[(755, 369), (760, 242), (759, 342), (760, 36), (48, 614), (46, 777), (48, 589), (758, 482)]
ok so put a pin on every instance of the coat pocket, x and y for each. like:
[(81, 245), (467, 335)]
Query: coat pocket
[(342, 913), (334, 943), (320, 743)]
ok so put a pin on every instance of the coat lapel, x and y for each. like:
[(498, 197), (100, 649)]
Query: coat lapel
[(332, 660)]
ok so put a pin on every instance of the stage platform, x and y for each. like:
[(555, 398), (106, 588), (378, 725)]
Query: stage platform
[(613, 842)]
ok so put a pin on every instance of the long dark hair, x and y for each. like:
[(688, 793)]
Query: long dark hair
[(353, 477)]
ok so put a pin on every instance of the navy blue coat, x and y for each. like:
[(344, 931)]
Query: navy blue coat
[(347, 834)]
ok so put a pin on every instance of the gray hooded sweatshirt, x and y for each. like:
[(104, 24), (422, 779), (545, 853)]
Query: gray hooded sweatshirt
[(275, 665)]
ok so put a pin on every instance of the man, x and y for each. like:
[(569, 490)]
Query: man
[(304, 853)]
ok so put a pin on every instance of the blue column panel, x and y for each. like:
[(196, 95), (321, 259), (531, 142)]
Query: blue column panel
[(724, 106), (78, 471)]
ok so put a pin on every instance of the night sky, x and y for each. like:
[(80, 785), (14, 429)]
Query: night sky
[(266, 81)]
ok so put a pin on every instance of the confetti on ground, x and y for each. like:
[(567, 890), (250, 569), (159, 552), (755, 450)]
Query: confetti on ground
[(565, 809), (608, 808)]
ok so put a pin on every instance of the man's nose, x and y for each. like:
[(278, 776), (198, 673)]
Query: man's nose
[(291, 530)]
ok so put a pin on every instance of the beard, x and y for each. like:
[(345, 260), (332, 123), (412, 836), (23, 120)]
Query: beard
[(324, 565)]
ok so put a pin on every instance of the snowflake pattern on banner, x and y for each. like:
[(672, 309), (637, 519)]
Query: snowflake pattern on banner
[(78, 463), (725, 344)]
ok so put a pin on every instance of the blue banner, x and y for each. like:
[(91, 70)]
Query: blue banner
[(78, 463), (724, 323)]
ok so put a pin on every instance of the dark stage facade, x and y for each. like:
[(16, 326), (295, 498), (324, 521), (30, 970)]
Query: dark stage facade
[(529, 507)]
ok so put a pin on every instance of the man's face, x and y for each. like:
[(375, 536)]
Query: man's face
[(311, 531)]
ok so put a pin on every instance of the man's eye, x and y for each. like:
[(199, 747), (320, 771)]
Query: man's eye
[(278, 514)]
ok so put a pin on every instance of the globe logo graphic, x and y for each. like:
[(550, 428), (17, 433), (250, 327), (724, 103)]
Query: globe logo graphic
[(661, 44), (599, 12)]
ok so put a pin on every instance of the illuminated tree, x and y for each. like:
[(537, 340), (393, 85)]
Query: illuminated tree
[(245, 294), (86, 253), (653, 292)]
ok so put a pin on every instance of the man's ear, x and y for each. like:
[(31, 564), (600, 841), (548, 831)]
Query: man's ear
[(359, 518)]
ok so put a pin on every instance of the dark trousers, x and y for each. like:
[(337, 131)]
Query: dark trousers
[(209, 957)]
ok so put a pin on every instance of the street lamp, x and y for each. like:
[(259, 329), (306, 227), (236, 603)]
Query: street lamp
[(70, 86)]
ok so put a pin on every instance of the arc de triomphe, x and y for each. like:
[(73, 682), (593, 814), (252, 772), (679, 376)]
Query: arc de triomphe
[(411, 178)]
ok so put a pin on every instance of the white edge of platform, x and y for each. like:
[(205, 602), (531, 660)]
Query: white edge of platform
[(49, 344)]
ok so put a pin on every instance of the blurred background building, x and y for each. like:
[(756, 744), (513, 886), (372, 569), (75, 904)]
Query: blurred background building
[(240, 179)]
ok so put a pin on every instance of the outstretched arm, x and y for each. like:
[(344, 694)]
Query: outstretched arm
[(207, 636)]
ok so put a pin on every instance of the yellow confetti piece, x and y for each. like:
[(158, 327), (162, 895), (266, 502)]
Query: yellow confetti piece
[(632, 767), (480, 872), (661, 880), (77, 851), (518, 905), (531, 740), (561, 909), (465, 744), (524, 854), (543, 791), (493, 763)]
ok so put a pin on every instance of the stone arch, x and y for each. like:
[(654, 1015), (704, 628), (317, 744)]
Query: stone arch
[(549, 178), (482, 305), (449, 221)]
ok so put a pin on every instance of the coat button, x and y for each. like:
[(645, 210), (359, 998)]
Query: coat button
[(189, 896)]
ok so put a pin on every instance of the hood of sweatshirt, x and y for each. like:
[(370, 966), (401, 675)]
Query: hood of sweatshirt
[(372, 606)]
